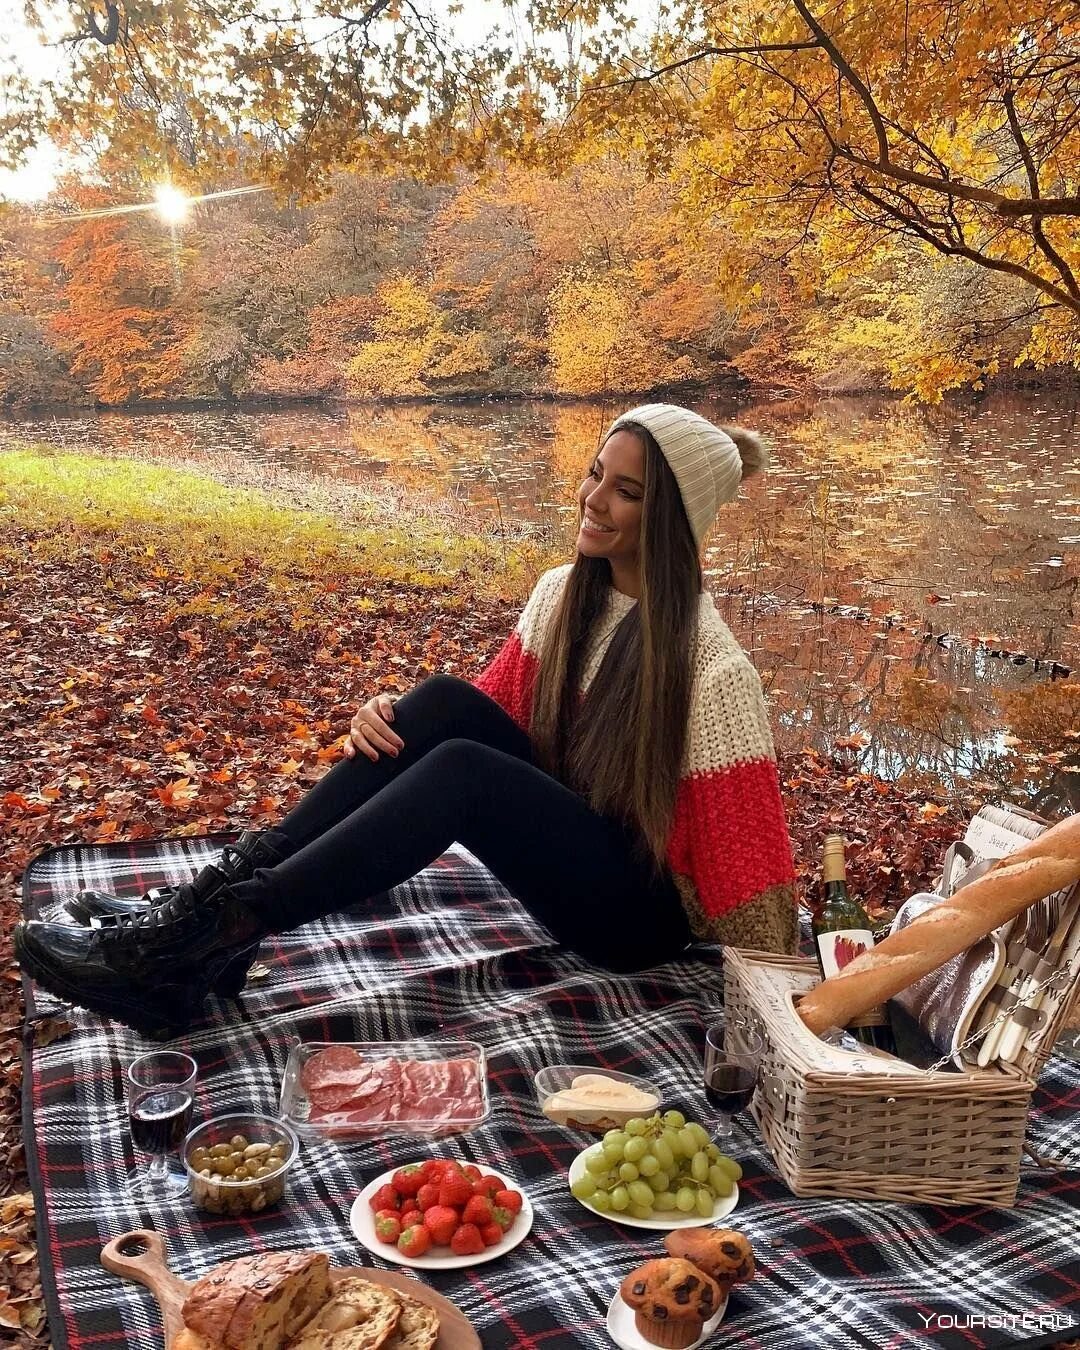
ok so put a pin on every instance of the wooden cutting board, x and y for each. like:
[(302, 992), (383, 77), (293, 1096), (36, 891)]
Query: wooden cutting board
[(140, 1255)]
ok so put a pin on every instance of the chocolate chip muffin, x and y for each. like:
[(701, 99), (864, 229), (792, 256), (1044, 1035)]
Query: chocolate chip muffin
[(723, 1254), (672, 1300)]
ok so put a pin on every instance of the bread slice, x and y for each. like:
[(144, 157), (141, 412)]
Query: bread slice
[(191, 1340), (417, 1328), (359, 1316)]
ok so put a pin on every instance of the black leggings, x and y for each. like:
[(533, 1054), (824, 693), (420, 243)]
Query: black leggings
[(466, 773)]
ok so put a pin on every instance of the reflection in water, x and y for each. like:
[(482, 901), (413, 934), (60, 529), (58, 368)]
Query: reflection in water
[(905, 578)]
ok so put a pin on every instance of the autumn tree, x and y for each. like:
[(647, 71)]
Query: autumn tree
[(598, 342), (118, 326), (414, 348), (32, 370)]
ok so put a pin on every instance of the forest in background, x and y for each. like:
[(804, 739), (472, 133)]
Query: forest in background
[(601, 281), (578, 202)]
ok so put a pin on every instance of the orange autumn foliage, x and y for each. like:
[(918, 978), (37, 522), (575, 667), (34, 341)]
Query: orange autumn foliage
[(118, 330)]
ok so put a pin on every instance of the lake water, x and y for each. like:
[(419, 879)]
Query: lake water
[(905, 578)]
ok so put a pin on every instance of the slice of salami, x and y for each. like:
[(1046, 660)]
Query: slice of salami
[(330, 1067), (334, 1076)]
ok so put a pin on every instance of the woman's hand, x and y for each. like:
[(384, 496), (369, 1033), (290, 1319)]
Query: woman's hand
[(370, 732)]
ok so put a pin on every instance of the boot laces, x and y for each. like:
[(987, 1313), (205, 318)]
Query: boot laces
[(177, 911), (179, 908)]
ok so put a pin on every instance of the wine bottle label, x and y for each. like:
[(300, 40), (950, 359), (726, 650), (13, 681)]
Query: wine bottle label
[(840, 947)]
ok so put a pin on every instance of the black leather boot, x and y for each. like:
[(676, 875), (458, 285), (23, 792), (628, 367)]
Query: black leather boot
[(152, 970), (254, 848)]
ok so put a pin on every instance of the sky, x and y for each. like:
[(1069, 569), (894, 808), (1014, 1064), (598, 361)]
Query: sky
[(35, 180)]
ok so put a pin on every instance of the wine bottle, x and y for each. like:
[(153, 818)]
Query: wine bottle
[(841, 933)]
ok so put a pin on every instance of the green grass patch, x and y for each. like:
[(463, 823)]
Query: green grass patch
[(200, 526)]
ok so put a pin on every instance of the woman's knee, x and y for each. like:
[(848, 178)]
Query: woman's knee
[(444, 695), (445, 707), (460, 761)]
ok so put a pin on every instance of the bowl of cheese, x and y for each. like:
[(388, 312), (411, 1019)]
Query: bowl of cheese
[(588, 1098)]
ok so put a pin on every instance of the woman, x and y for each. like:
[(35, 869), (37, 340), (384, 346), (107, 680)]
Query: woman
[(612, 767)]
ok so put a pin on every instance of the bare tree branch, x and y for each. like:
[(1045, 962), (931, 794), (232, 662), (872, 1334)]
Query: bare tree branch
[(108, 35), (1041, 241), (846, 71), (656, 74), (957, 250)]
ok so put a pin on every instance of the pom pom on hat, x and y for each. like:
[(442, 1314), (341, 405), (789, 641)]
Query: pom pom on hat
[(709, 462)]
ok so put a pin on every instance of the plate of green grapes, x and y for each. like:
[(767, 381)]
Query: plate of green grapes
[(661, 1171)]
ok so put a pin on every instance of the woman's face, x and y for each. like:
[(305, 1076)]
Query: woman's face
[(611, 501)]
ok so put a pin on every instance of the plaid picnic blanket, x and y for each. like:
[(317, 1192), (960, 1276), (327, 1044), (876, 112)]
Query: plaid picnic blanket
[(451, 954)]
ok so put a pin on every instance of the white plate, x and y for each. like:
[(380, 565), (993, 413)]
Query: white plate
[(362, 1223), (663, 1222), (623, 1329)]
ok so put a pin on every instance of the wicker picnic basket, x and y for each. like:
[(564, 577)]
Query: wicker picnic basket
[(943, 1138)]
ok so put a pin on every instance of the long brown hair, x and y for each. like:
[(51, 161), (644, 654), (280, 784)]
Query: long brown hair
[(622, 745)]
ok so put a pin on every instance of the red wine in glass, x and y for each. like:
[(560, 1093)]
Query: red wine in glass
[(160, 1120), (732, 1059), (729, 1087), (160, 1089)]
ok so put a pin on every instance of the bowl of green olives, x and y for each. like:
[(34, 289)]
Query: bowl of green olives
[(238, 1164)]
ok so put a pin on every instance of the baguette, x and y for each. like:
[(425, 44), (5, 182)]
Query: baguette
[(1047, 864)]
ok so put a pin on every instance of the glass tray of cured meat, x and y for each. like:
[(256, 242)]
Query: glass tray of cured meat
[(357, 1089)]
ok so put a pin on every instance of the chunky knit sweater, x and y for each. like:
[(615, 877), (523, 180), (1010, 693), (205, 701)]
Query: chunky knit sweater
[(728, 850)]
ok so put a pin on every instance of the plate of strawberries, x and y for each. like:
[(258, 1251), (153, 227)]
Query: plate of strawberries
[(440, 1214)]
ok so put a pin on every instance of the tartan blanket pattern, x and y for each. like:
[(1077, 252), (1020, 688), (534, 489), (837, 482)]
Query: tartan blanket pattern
[(451, 954)]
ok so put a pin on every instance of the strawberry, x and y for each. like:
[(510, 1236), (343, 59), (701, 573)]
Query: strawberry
[(477, 1211), (510, 1200), (472, 1172), (501, 1216), (433, 1169), (487, 1185), (414, 1240), (467, 1241), (408, 1180), (455, 1191), (427, 1195), (441, 1222), (385, 1198), (491, 1233), (387, 1227), (410, 1214)]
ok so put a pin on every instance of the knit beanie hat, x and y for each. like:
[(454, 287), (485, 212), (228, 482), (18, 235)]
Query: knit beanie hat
[(708, 461)]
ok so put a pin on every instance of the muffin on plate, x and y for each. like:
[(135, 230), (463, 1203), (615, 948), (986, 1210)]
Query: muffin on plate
[(723, 1254), (672, 1300)]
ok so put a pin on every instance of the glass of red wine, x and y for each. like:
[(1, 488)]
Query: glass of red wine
[(732, 1059), (160, 1094)]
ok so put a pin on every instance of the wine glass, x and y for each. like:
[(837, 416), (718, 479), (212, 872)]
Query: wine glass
[(733, 1051), (161, 1093)]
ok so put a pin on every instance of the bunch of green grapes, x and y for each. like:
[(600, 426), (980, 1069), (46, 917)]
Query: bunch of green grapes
[(658, 1165)]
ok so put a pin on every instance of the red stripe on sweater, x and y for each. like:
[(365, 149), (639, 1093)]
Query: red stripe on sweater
[(509, 680), (729, 835)]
